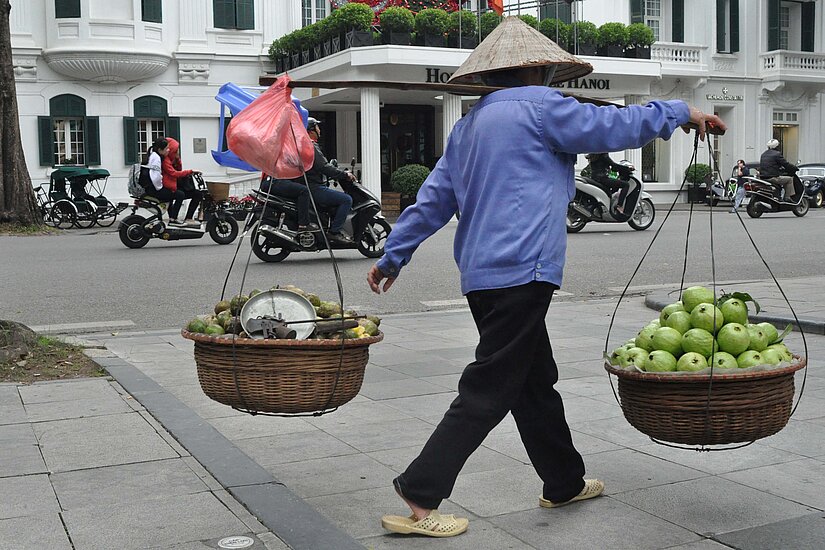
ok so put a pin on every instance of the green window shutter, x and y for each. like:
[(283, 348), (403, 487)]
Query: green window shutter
[(91, 126), (721, 25), (152, 11), (224, 12), (131, 155), (245, 14), (773, 25), (173, 127), (734, 26), (150, 107), (66, 8), (678, 21), (45, 136), (637, 13), (67, 105), (808, 25)]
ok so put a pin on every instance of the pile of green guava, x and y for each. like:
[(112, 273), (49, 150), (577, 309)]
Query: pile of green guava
[(702, 331)]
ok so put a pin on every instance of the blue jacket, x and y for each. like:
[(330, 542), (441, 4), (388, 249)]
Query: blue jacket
[(508, 167)]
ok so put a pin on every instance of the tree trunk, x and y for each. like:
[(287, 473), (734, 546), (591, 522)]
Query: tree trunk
[(17, 200)]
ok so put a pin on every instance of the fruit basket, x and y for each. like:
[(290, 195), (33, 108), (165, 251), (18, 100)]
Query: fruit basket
[(707, 409), (280, 376)]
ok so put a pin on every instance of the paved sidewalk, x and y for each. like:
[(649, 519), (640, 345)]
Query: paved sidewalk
[(84, 466), (324, 482)]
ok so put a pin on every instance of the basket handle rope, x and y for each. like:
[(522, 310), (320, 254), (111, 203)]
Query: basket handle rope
[(252, 222), (693, 161)]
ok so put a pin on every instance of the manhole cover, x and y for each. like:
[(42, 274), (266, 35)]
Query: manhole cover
[(235, 542)]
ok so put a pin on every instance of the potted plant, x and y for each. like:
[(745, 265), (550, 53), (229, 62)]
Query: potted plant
[(555, 30), (612, 39), (354, 23), (639, 38), (407, 180), (584, 38), (489, 21), (697, 176), (397, 24), (462, 32), (305, 39), (278, 55), (289, 44), (431, 25)]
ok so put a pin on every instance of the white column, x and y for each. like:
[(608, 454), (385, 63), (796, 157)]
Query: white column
[(20, 25), (451, 113), (194, 15), (371, 140)]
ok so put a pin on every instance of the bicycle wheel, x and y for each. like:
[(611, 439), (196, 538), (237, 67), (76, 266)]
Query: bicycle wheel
[(107, 217), (62, 215)]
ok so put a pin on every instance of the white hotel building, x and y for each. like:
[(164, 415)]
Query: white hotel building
[(98, 79)]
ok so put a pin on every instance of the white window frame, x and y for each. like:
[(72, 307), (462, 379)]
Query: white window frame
[(69, 141), (148, 130), (653, 17), (313, 11)]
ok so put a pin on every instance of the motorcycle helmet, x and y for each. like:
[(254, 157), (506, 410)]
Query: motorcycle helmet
[(773, 144), (312, 123)]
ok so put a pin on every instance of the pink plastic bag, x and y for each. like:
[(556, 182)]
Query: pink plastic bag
[(270, 135)]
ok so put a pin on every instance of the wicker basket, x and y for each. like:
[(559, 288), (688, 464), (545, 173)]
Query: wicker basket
[(280, 376), (743, 407), (219, 191)]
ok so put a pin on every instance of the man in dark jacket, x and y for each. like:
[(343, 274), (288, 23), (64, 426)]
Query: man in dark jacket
[(611, 174), (775, 169), (323, 195)]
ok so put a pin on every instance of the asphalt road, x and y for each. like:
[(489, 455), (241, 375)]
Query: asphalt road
[(87, 276)]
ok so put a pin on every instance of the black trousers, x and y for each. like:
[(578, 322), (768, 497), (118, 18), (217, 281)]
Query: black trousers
[(514, 371), (291, 190), (175, 199)]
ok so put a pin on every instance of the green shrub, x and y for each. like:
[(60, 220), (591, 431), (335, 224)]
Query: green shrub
[(489, 21), (352, 16), (325, 29), (289, 42), (407, 180), (697, 173), (432, 21), (639, 34), (585, 32), (548, 28), (397, 19), (468, 23), (276, 49), (306, 37), (613, 34), (530, 20)]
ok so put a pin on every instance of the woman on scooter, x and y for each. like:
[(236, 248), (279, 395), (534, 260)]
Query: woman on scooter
[(173, 172), (154, 160)]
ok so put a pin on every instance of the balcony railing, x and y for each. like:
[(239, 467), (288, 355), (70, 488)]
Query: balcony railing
[(680, 58), (789, 65)]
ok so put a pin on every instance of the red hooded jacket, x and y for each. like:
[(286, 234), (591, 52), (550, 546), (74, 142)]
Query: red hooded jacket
[(171, 166)]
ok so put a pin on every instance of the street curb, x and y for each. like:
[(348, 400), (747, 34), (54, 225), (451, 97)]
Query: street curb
[(658, 301), (288, 516)]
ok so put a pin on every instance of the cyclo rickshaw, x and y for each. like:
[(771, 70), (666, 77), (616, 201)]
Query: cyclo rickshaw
[(75, 206)]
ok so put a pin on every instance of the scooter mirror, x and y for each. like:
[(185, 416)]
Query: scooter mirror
[(334, 162)]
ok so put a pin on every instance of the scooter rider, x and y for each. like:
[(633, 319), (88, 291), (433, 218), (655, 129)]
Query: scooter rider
[(609, 173), (323, 195), (773, 168)]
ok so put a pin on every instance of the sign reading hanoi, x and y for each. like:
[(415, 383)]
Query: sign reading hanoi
[(436, 75)]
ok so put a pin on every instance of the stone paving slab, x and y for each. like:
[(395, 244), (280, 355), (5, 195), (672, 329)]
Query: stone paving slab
[(76, 444), (162, 522), (70, 390), (39, 531), (806, 532), (112, 485), (20, 453), (26, 496)]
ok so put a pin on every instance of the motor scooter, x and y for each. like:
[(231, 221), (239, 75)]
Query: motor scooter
[(275, 233), (766, 198), (596, 202), (136, 230)]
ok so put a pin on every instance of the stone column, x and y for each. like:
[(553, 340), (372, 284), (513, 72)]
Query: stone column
[(194, 20), (451, 113), (20, 25), (371, 140)]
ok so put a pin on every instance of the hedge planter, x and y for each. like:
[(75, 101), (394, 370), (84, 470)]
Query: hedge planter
[(611, 50), (295, 59), (318, 51), (584, 49), (357, 39), (280, 66), (396, 38), (306, 57), (431, 40), (639, 52), (467, 42)]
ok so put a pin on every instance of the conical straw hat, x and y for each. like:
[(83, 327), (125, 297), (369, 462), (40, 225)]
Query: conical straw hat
[(515, 44)]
